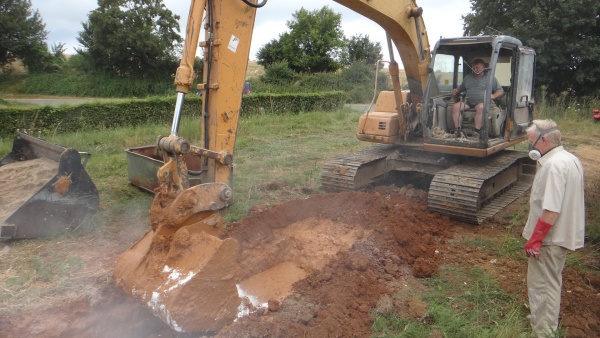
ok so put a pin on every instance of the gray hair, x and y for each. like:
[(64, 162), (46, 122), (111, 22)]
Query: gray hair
[(539, 126)]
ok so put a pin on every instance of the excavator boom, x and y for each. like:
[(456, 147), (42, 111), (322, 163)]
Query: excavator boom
[(404, 26)]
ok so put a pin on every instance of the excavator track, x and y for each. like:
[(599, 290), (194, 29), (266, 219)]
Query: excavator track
[(475, 190), (370, 166), (466, 189), (356, 171)]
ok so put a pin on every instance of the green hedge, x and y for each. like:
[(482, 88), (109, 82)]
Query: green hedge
[(87, 116), (291, 103)]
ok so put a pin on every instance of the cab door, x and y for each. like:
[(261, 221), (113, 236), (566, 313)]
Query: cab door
[(522, 101)]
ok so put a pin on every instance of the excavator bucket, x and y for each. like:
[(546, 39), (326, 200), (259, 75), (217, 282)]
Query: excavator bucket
[(144, 162), (45, 189)]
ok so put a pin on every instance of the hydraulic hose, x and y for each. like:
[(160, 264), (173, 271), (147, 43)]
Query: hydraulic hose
[(206, 97), (255, 5)]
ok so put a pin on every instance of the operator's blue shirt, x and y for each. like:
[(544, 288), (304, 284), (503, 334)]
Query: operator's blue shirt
[(475, 88)]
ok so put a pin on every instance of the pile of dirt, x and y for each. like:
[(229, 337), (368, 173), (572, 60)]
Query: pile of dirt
[(196, 282), (356, 248)]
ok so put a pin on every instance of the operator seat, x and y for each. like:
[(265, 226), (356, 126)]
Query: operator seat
[(495, 123)]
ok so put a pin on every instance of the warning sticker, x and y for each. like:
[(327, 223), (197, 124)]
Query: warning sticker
[(233, 43)]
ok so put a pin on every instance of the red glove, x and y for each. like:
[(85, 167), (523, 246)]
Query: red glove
[(532, 247)]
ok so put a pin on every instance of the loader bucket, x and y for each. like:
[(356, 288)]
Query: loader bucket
[(61, 203)]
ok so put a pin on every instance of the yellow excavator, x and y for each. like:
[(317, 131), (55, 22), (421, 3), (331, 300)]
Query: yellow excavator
[(188, 276)]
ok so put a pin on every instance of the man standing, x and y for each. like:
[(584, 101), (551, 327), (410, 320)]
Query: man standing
[(475, 85), (555, 225)]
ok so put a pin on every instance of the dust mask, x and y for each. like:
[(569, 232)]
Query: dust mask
[(535, 154)]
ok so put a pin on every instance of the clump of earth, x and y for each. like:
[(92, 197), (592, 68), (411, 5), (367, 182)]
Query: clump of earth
[(347, 255)]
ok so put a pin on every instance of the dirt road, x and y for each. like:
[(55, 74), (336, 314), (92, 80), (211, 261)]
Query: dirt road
[(53, 101)]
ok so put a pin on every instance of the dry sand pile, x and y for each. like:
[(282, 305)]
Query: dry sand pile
[(21, 180)]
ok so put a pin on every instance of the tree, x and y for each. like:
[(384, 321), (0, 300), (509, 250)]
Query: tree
[(44, 61), (279, 73), (47, 61), (22, 32), (131, 38), (564, 34), (58, 50), (360, 48), (314, 44), (358, 80), (40, 60), (271, 53)]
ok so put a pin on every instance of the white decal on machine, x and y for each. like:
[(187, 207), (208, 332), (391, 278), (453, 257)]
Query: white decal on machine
[(233, 43)]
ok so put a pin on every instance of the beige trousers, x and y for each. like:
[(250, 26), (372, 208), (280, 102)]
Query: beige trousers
[(544, 283)]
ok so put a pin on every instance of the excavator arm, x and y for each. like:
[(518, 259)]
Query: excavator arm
[(228, 32)]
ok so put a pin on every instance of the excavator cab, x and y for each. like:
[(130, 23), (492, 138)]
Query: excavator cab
[(408, 118), (504, 120)]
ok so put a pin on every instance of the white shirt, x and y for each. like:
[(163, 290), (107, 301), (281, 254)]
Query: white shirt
[(558, 187)]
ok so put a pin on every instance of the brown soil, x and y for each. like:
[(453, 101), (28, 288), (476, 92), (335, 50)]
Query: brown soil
[(328, 262)]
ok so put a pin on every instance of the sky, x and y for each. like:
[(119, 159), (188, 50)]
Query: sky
[(63, 19)]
